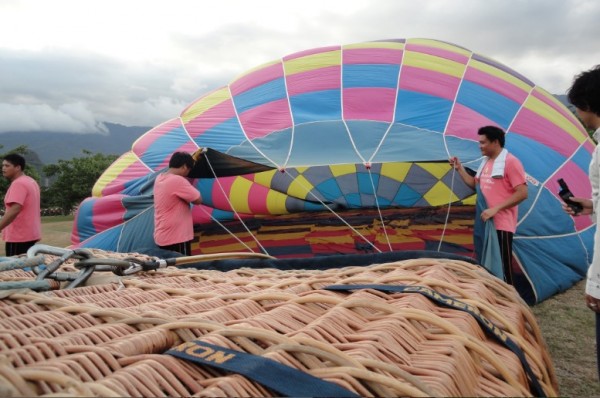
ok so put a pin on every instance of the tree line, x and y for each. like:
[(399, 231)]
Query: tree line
[(70, 181)]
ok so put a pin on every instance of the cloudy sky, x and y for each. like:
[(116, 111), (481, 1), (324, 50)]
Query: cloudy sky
[(70, 65)]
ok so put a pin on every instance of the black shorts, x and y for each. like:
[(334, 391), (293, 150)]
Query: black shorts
[(16, 248), (184, 248)]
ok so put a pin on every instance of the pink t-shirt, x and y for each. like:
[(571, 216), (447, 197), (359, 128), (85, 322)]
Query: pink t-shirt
[(497, 190), (172, 212), (27, 226)]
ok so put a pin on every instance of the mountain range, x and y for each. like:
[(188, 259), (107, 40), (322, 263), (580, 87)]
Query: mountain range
[(50, 147)]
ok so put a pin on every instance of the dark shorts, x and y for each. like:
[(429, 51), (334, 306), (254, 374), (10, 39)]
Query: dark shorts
[(16, 248), (184, 248), (505, 239)]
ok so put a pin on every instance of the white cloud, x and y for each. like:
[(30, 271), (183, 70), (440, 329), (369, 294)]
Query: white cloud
[(69, 118), (136, 62)]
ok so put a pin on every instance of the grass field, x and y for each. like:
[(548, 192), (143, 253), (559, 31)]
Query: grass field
[(566, 324)]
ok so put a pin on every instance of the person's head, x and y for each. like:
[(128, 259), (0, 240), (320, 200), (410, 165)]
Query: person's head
[(491, 140), (13, 165), (182, 161), (584, 94)]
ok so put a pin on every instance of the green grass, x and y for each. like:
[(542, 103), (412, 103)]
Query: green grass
[(51, 219), (569, 331)]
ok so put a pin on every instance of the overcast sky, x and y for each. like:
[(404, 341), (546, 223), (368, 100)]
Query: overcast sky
[(70, 65)]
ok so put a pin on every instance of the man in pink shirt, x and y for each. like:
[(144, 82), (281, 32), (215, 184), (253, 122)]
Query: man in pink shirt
[(501, 180), (173, 193), (21, 225)]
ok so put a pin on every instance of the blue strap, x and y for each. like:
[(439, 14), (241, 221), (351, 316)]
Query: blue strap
[(284, 380), (451, 302)]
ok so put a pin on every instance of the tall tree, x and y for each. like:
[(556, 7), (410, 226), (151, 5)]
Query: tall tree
[(74, 179)]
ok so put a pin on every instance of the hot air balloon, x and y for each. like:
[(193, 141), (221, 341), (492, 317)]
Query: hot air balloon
[(344, 149)]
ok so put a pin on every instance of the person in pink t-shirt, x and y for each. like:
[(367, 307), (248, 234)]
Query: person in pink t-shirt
[(21, 225), (173, 193), (503, 189)]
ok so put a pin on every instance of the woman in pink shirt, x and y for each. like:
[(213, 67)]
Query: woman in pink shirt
[(21, 225), (173, 193)]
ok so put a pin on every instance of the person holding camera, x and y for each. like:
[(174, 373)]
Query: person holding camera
[(584, 94)]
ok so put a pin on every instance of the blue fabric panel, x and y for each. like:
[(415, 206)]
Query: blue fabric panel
[(223, 215), (383, 202), (406, 196), (143, 185), (166, 144), (582, 158), (138, 233), (135, 205), (222, 136), (313, 206), (260, 95), (131, 185), (553, 264), (353, 200), (206, 187), (487, 247), (406, 144), (316, 142), (538, 221), (467, 151), (366, 182), (334, 146), (422, 110), (316, 106), (488, 103), (326, 143), (106, 240), (329, 189), (372, 75), (85, 215), (538, 160), (367, 135)]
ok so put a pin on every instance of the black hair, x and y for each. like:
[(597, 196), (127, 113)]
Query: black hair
[(16, 160), (179, 159), (585, 91), (493, 133)]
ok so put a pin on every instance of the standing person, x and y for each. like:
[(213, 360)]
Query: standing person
[(21, 225), (584, 94), (173, 193), (501, 180)]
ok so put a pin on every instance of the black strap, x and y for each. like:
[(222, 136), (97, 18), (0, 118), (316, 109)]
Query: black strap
[(284, 380), (451, 302)]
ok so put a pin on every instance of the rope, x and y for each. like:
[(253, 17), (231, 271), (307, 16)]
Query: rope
[(387, 239), (234, 211), (447, 212)]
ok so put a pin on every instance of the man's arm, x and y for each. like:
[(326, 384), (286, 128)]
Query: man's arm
[(466, 177), (11, 213), (514, 199)]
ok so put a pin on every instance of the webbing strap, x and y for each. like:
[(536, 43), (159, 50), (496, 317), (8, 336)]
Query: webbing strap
[(284, 380), (451, 302)]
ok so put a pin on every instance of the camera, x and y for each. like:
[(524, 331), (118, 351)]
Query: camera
[(566, 196)]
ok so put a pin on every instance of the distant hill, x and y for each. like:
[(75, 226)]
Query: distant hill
[(50, 147)]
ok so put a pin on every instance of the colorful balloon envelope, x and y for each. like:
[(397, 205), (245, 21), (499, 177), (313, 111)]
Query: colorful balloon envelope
[(360, 127)]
